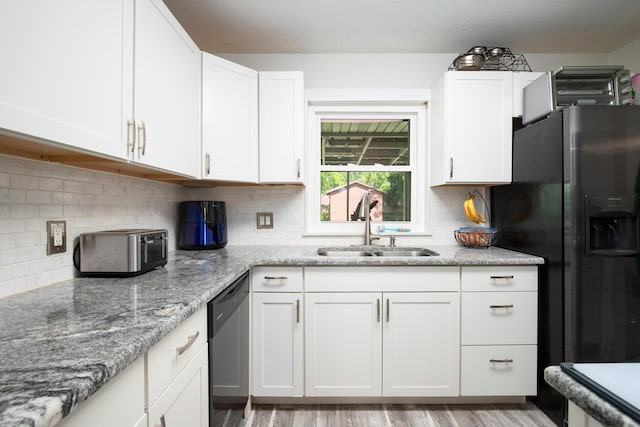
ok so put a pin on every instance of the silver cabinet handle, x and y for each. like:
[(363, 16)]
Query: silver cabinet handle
[(502, 306), (501, 277), (298, 168), (501, 360), (388, 310), (297, 311), (142, 137), (450, 167), (207, 164), (191, 339), (162, 422), (131, 134), (378, 308), (276, 278)]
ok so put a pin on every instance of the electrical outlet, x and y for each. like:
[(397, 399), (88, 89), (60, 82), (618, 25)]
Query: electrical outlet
[(264, 220), (56, 237)]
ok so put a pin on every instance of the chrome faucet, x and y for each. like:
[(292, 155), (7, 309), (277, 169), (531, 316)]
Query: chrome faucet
[(365, 214)]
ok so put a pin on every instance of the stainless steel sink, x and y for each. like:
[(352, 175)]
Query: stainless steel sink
[(405, 252), (367, 251), (341, 253)]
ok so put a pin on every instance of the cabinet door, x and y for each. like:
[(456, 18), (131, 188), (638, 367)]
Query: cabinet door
[(229, 120), (421, 344), (185, 401), (471, 129), (343, 344), (277, 344), (67, 72), (167, 91), (281, 126)]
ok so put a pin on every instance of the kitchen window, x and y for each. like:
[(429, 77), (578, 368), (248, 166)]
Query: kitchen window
[(373, 147)]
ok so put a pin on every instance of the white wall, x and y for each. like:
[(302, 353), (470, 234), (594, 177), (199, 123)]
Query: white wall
[(629, 56), (386, 70)]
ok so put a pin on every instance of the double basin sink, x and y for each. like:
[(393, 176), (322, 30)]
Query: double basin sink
[(372, 251)]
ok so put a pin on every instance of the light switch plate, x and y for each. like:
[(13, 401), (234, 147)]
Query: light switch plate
[(264, 220), (56, 237)]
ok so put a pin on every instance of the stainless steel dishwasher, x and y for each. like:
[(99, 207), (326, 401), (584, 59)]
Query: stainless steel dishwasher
[(228, 330)]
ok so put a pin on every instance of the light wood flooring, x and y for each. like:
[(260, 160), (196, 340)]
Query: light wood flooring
[(481, 415)]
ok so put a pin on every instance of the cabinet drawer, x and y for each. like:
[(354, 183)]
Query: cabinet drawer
[(499, 318), (164, 361), (507, 278), (185, 401), (276, 279), (382, 279), (498, 370)]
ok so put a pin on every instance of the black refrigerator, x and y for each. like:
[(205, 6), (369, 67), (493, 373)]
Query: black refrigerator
[(575, 201)]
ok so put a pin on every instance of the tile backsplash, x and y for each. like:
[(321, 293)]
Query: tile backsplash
[(34, 192)]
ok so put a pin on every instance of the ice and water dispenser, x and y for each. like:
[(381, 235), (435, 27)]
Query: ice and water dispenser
[(612, 225)]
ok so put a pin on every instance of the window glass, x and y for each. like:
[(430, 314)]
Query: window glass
[(341, 192), (359, 147), (352, 145), (365, 142)]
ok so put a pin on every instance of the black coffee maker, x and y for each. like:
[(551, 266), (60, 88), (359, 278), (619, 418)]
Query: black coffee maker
[(203, 225)]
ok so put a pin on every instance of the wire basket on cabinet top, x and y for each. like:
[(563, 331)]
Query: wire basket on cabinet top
[(490, 59)]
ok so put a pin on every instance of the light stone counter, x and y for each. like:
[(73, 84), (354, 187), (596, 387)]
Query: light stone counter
[(61, 343)]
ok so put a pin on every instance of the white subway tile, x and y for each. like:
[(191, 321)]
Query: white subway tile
[(12, 165), (39, 197)]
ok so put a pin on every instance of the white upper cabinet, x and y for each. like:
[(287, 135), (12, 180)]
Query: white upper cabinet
[(281, 126), (67, 78), (67, 72), (167, 91), (229, 121), (471, 127)]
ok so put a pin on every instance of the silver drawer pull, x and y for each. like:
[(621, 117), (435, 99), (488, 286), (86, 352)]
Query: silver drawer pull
[(501, 360), (276, 278), (502, 306), (297, 311), (162, 422), (190, 341), (501, 277)]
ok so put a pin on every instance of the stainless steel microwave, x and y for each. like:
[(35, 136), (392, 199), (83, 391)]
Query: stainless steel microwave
[(576, 85)]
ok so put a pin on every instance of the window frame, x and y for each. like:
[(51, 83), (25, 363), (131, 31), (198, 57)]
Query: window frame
[(416, 113)]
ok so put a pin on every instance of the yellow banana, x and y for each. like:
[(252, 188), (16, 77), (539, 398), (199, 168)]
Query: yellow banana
[(471, 212)]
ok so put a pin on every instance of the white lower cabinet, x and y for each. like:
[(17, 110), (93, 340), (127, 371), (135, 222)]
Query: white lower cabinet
[(499, 308), (185, 401), (277, 332), (498, 370), (178, 376), (343, 344), (277, 344), (421, 345), (385, 343), (579, 418), (119, 403)]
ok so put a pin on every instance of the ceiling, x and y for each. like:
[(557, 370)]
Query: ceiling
[(408, 26)]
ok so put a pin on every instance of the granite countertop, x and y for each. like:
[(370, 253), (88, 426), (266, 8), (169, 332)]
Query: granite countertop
[(61, 343), (591, 403)]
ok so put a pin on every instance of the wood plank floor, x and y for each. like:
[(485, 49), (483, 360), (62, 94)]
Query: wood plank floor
[(484, 415)]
